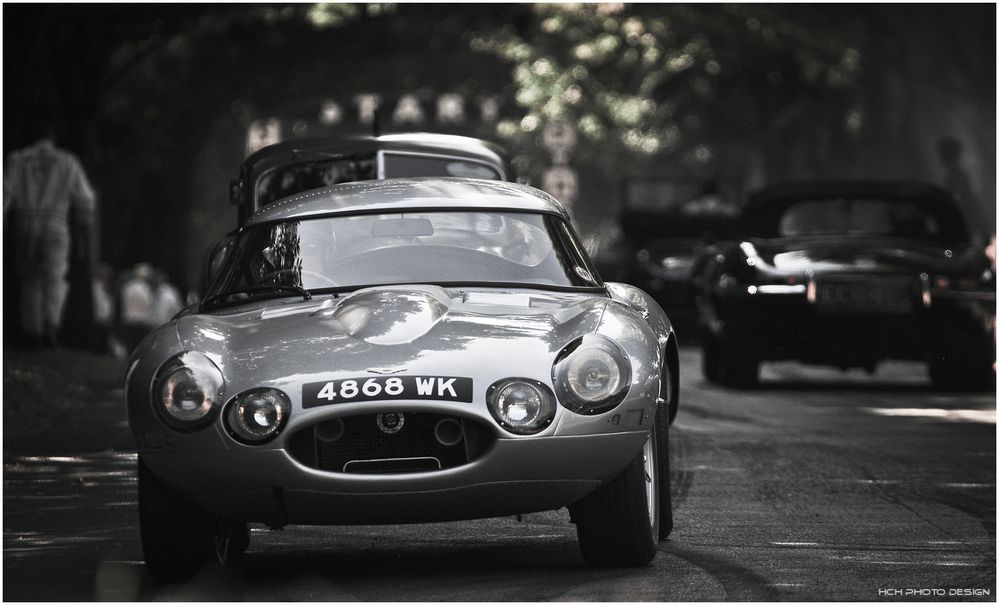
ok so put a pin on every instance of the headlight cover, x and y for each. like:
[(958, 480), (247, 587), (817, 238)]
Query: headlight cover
[(521, 405), (591, 375), (257, 416), (187, 390)]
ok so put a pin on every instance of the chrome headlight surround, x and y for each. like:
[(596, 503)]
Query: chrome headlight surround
[(257, 416), (521, 405), (187, 391), (591, 375)]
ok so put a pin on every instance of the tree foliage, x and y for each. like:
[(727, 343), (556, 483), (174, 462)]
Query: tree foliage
[(652, 83)]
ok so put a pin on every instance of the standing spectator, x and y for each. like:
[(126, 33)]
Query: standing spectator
[(137, 302), (42, 184), (166, 298)]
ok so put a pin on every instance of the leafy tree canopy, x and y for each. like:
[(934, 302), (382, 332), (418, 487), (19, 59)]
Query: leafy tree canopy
[(644, 81)]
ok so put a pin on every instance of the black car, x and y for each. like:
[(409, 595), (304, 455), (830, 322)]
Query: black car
[(849, 274), (290, 167)]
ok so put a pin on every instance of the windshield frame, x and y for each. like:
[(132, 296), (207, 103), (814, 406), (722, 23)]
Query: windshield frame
[(566, 246)]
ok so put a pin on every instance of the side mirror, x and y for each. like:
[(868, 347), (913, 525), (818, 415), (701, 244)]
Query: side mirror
[(213, 262)]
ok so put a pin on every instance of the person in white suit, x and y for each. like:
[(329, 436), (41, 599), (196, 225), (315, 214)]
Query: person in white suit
[(42, 185)]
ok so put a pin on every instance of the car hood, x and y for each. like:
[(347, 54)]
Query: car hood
[(875, 255), (393, 329)]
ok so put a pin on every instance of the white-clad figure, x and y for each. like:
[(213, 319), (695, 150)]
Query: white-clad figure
[(137, 301), (42, 184), (166, 299)]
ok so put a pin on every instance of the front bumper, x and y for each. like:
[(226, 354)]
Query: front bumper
[(513, 476)]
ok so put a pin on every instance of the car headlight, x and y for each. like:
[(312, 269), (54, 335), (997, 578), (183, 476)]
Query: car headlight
[(257, 416), (591, 375), (520, 405), (187, 390)]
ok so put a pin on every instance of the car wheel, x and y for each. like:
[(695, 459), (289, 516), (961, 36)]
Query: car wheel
[(177, 535), (663, 479), (230, 540), (618, 524)]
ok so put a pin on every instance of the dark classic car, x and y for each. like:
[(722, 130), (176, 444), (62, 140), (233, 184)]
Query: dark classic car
[(290, 167), (849, 274), (405, 351)]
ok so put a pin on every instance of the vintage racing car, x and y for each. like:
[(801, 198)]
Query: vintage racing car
[(849, 273), (400, 351)]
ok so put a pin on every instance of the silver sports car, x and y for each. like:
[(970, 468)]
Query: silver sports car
[(403, 351)]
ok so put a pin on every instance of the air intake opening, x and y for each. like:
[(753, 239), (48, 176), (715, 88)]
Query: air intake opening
[(411, 443)]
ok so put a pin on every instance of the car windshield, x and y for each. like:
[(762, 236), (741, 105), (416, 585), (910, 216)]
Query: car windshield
[(302, 176), (858, 217), (438, 247)]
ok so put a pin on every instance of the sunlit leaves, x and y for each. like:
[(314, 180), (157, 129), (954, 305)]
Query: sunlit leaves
[(326, 15), (627, 110), (646, 80), (329, 15)]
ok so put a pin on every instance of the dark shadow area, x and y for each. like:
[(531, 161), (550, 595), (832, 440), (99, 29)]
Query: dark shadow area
[(396, 569)]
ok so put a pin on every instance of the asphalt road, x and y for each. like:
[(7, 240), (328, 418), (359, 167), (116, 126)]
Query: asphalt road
[(819, 486)]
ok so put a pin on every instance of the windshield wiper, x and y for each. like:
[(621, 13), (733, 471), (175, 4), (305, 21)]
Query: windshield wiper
[(275, 288)]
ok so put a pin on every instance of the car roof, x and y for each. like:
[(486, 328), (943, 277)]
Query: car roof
[(765, 207), (422, 193), (280, 154)]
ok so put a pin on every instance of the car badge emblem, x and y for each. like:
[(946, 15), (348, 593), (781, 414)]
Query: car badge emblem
[(384, 371), (390, 422)]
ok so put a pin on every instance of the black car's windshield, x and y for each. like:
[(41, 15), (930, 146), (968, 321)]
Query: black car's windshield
[(866, 217), (438, 247), (302, 176), (319, 172)]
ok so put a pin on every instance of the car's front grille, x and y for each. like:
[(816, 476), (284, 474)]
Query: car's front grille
[(890, 294), (390, 443)]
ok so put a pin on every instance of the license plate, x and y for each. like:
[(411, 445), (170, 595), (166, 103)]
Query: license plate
[(884, 296), (386, 388)]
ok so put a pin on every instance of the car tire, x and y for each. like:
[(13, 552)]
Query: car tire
[(230, 541), (664, 482), (617, 525), (177, 535)]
